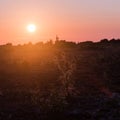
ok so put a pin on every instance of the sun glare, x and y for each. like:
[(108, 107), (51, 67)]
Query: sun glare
[(31, 28)]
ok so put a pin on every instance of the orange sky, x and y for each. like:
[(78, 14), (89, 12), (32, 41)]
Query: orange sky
[(77, 20)]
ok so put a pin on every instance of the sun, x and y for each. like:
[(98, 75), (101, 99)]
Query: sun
[(31, 28)]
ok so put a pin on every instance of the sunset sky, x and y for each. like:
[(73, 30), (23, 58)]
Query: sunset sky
[(72, 20)]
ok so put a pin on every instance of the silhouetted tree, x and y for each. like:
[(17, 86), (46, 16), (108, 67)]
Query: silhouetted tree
[(104, 41)]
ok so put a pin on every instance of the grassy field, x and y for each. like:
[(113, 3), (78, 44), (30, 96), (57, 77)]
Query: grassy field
[(63, 80)]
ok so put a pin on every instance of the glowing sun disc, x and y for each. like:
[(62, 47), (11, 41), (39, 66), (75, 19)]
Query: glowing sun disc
[(31, 28)]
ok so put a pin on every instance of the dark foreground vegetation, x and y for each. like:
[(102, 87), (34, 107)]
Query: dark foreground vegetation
[(58, 81)]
